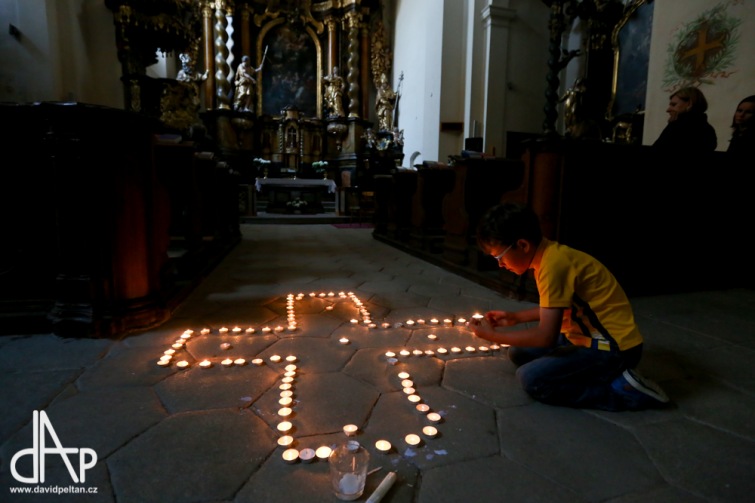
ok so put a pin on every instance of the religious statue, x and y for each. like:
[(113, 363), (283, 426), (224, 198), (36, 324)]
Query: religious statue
[(244, 82), (334, 93), (385, 102), (188, 72), (573, 100)]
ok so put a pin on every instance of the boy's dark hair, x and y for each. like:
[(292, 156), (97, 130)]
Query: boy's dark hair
[(506, 223)]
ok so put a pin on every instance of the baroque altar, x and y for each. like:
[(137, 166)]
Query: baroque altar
[(315, 73)]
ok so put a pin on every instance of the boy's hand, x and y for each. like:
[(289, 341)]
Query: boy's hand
[(501, 318)]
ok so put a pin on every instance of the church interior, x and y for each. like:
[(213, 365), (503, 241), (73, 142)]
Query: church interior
[(213, 176)]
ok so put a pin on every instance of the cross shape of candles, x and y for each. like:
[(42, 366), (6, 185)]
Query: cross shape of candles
[(286, 440)]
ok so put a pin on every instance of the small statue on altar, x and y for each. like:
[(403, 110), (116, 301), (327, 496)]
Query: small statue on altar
[(573, 100), (334, 93), (188, 72), (385, 102), (244, 82)]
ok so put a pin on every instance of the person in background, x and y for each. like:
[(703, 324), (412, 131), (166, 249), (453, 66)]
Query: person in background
[(583, 344), (742, 143), (688, 130)]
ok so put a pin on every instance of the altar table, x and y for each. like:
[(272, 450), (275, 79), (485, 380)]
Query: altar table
[(282, 194)]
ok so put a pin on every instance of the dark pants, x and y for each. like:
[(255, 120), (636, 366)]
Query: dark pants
[(573, 376)]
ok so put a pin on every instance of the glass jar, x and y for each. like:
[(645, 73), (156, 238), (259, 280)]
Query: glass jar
[(348, 470)]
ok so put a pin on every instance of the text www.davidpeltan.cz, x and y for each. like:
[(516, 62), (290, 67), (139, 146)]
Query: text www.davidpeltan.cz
[(52, 490)]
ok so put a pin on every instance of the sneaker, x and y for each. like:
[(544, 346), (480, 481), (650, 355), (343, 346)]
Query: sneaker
[(630, 383)]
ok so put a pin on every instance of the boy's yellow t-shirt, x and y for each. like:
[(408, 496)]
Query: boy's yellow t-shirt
[(597, 311)]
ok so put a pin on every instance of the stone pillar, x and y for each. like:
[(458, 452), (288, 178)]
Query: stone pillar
[(221, 57), (496, 21), (332, 25), (246, 39), (365, 71), (352, 78), (209, 56)]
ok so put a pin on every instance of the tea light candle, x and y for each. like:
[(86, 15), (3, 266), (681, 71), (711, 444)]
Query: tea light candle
[(430, 431), (285, 440), (390, 354), (409, 390), (285, 411), (328, 308), (285, 386), (182, 364), (434, 417), (429, 352), (239, 361), (290, 367), (448, 322), (354, 321), (250, 330), (418, 352), (279, 328), (483, 349), (178, 345), (433, 321), (307, 455), (410, 323), (422, 408), (432, 337), (495, 347), (343, 340), (275, 358), (227, 362), (442, 351), (258, 361), (383, 446), (169, 352), (477, 318), (284, 426), (323, 452), (163, 363), (290, 455), (205, 364), (455, 350), (236, 329), (372, 325), (404, 352), (287, 379), (266, 330), (350, 430), (414, 398), (420, 321), (461, 321), (204, 331), (291, 327), (385, 325), (286, 393), (407, 383), (470, 349), (286, 401), (290, 373), (404, 375), (225, 345), (412, 439)]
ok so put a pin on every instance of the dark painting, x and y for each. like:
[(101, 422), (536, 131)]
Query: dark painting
[(289, 77), (634, 58)]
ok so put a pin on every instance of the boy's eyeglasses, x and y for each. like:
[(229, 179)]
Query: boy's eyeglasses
[(500, 255)]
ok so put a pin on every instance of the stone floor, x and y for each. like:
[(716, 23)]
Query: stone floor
[(165, 434)]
